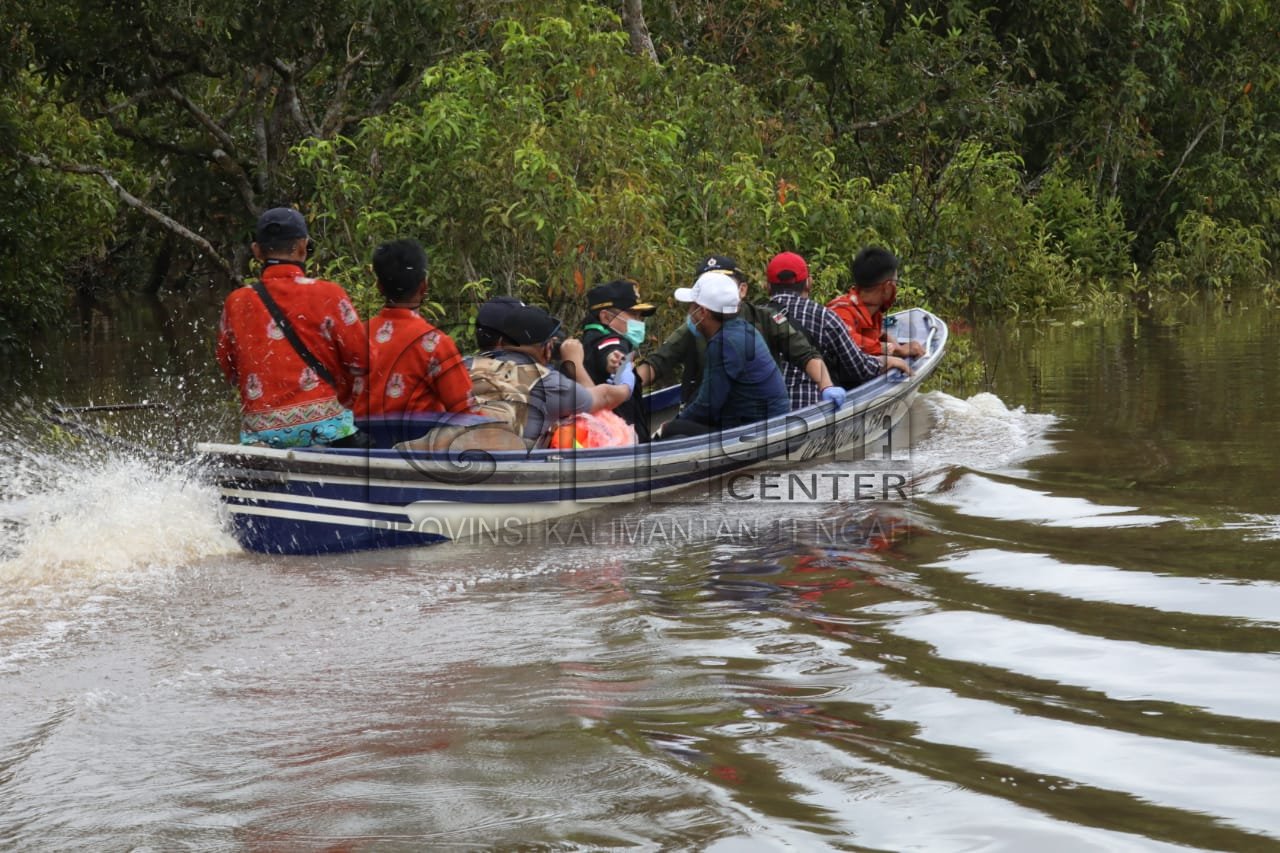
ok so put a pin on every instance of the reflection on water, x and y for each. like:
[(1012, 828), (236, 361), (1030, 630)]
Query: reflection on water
[(1065, 640)]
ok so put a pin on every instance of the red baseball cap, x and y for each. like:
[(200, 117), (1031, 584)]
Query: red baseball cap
[(787, 269)]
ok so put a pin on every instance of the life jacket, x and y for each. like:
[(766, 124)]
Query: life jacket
[(594, 429), (502, 388), (865, 329)]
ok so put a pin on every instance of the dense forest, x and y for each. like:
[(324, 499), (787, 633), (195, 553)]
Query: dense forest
[(1018, 156)]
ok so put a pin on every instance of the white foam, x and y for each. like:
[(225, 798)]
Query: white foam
[(978, 496), (980, 432), (95, 516), (1258, 528)]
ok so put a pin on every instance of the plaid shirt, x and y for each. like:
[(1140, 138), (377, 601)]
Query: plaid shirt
[(829, 335)]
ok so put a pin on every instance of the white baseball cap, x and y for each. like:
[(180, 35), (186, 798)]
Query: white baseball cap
[(715, 291)]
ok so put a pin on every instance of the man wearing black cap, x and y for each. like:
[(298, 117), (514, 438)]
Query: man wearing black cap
[(512, 381), (612, 330), (683, 354), (293, 345)]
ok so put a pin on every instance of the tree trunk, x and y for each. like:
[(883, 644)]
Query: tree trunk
[(633, 20)]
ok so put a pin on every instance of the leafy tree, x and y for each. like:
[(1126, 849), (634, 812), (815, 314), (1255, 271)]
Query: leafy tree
[(1007, 151), (210, 96), (50, 223), (1166, 106)]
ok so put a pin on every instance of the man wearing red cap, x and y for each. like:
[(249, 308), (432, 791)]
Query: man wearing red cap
[(788, 277), (293, 345)]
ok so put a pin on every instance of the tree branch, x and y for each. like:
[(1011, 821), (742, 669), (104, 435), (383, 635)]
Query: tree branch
[(126, 131), (883, 121), (335, 115), (291, 97), (174, 227), (204, 118), (1191, 146)]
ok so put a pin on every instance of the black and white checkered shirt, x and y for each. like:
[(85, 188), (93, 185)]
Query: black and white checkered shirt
[(829, 336)]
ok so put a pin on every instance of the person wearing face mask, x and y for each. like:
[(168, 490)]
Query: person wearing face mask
[(862, 309), (682, 355), (789, 289), (741, 383), (413, 366), (293, 345), (612, 330)]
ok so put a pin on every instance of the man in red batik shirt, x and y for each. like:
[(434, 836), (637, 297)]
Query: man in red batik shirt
[(413, 366), (293, 345)]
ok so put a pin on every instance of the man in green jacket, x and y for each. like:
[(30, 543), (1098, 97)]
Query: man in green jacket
[(683, 355)]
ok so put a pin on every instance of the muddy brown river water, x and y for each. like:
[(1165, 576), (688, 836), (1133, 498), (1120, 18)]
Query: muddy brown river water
[(1066, 638)]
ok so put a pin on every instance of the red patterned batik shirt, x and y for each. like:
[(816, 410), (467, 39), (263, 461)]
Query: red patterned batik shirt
[(278, 389), (413, 367)]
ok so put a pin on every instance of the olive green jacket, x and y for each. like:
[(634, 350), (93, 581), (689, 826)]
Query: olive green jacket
[(683, 354)]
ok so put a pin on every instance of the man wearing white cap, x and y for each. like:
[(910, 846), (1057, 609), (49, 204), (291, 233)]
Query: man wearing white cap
[(741, 382)]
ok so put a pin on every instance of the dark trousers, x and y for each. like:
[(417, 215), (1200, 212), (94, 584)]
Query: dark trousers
[(681, 428)]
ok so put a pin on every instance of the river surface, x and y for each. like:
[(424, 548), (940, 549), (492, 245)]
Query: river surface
[(1066, 638)]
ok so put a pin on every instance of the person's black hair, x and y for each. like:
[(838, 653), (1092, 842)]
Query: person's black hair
[(788, 286), (721, 317), (873, 265), (282, 246), (487, 338), (400, 266)]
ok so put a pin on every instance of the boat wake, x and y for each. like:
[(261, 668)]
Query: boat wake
[(80, 512), (980, 433)]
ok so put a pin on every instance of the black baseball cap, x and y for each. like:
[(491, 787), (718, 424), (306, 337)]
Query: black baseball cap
[(517, 322), (280, 223), (720, 263), (529, 324), (622, 293), (493, 311)]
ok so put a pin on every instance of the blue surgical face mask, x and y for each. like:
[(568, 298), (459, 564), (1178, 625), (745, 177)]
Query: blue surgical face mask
[(634, 332), (688, 321)]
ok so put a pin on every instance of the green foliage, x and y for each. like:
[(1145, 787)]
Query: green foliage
[(1093, 236), (1212, 254), (47, 219), (1163, 107), (557, 160), (961, 373), (977, 244), (1014, 155)]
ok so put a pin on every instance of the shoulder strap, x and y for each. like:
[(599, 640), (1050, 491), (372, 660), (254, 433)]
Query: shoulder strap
[(282, 322), (781, 310)]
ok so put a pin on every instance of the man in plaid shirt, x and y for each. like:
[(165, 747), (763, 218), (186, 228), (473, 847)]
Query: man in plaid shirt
[(788, 277)]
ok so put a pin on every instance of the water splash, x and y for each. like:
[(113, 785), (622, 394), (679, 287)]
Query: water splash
[(980, 433), (71, 511)]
